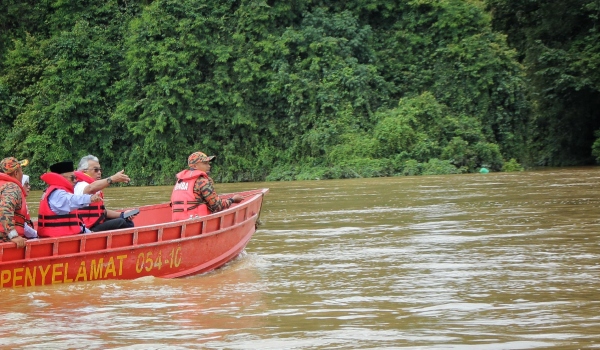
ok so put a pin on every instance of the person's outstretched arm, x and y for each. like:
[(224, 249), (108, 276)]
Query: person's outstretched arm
[(104, 183)]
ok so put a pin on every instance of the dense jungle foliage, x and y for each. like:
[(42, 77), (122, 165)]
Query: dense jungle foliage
[(558, 43), (299, 89)]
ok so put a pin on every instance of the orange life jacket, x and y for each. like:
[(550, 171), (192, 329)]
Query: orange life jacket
[(95, 212), (21, 215), (51, 224), (184, 203)]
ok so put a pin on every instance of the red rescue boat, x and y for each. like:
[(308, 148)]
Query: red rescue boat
[(155, 247)]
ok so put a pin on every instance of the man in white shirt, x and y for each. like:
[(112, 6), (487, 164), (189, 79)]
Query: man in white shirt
[(96, 216)]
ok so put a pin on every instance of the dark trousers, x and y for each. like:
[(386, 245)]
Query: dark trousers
[(112, 224)]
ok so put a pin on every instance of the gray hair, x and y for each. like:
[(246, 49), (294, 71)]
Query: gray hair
[(84, 162)]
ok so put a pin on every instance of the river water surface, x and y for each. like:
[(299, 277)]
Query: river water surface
[(478, 261)]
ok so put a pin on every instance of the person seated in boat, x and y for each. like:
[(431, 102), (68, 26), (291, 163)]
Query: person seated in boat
[(58, 207), (96, 216), (13, 206), (194, 194), (30, 232)]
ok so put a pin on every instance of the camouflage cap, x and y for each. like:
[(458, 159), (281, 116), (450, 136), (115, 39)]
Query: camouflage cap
[(10, 164), (199, 157)]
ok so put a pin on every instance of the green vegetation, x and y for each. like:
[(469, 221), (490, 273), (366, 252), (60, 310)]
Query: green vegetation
[(512, 165), (558, 44), (297, 90)]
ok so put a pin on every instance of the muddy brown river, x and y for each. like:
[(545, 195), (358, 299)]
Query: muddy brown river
[(478, 261)]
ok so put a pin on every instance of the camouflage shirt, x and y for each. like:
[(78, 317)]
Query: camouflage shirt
[(10, 201), (205, 192)]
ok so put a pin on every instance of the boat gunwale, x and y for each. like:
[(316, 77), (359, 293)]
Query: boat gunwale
[(108, 235)]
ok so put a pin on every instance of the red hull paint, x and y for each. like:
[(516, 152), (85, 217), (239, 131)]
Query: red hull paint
[(155, 247)]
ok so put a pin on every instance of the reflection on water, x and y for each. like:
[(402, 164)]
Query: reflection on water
[(494, 261), (148, 311)]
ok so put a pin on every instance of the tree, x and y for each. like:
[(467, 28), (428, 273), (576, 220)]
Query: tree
[(558, 43)]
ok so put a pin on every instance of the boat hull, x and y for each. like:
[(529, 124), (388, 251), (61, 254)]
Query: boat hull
[(157, 248)]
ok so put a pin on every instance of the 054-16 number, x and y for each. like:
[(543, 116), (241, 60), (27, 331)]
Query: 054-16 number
[(148, 262)]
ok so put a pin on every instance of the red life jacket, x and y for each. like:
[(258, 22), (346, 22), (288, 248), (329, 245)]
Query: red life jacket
[(51, 224), (184, 203), (94, 213), (21, 215)]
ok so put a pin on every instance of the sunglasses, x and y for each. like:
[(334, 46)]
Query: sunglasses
[(96, 170), (70, 177)]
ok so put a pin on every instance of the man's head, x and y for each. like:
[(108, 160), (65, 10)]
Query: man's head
[(65, 169), (200, 161), (90, 165), (13, 167)]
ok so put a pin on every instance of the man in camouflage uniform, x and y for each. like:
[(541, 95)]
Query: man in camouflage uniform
[(11, 200), (203, 190), (204, 186)]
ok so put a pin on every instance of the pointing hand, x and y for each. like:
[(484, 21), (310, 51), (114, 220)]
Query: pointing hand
[(120, 177)]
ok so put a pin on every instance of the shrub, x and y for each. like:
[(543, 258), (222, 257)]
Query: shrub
[(439, 167), (512, 165), (411, 167)]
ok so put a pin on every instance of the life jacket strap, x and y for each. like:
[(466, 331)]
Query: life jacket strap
[(54, 217), (57, 224)]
